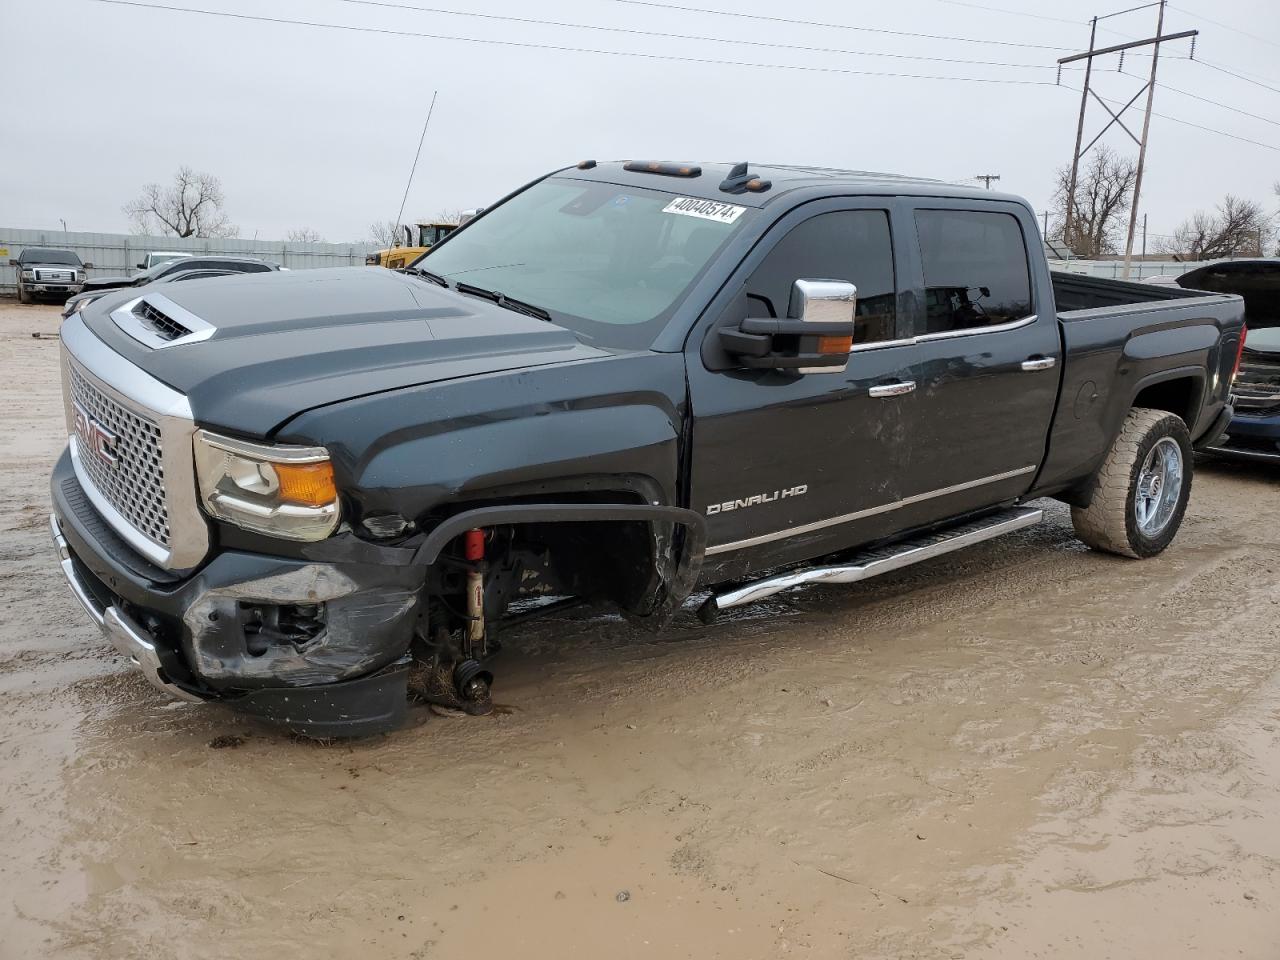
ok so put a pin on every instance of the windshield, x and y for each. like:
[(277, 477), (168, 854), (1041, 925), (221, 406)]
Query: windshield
[(39, 255), (609, 262), (155, 259)]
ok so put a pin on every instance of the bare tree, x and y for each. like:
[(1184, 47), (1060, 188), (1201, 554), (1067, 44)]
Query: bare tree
[(386, 233), (448, 215), (191, 206), (1104, 190), (304, 235), (1236, 227)]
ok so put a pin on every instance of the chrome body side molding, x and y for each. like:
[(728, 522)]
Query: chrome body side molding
[(869, 512)]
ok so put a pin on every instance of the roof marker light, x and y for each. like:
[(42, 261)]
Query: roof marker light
[(662, 169)]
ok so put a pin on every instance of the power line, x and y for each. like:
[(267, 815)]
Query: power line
[(527, 45), (1196, 96), (1188, 123), (1238, 76), (835, 26), (664, 35), (1014, 13), (1225, 26)]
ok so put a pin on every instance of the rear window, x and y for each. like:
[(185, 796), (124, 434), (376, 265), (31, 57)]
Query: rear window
[(976, 271)]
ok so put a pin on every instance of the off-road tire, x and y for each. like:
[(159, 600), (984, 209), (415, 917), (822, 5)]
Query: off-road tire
[(23, 296), (1110, 522)]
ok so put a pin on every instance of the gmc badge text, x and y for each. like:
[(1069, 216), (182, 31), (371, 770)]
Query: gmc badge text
[(308, 495)]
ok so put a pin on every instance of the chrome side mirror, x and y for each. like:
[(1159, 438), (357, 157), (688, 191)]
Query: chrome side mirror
[(816, 336), (829, 306)]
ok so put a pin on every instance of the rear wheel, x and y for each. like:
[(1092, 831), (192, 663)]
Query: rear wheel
[(1142, 488)]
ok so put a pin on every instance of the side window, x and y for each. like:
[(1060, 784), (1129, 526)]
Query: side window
[(975, 269), (851, 245)]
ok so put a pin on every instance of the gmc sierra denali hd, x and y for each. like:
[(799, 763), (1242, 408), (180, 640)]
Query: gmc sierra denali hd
[(311, 495)]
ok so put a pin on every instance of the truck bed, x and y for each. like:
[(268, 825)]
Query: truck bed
[(1074, 292)]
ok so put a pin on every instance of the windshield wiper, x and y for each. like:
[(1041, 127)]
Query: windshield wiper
[(425, 275), (502, 300)]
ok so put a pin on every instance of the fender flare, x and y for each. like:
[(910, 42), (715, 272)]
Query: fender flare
[(1195, 374), (688, 557)]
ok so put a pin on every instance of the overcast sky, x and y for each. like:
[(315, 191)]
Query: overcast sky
[(315, 127)]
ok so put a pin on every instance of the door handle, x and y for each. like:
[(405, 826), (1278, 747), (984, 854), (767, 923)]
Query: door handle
[(1039, 363), (892, 389)]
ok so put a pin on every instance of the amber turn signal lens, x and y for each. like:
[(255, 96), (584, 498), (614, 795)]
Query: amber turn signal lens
[(310, 484), (835, 344)]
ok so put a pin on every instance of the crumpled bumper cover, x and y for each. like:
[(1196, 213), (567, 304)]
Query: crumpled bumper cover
[(188, 634)]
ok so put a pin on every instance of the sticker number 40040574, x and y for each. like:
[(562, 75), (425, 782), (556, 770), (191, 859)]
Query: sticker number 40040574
[(705, 209)]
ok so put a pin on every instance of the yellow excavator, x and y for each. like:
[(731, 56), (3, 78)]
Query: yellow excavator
[(429, 234)]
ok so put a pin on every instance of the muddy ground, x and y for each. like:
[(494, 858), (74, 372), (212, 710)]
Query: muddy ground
[(1025, 750)]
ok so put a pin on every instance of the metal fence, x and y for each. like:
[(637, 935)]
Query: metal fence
[(118, 254), (1138, 270)]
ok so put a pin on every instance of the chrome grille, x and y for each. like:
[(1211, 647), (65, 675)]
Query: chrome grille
[(1257, 385), (134, 483), (159, 322), (55, 276)]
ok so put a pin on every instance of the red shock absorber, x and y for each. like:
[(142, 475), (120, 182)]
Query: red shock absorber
[(473, 550)]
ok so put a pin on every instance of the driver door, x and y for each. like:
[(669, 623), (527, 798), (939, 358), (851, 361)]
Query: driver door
[(789, 465)]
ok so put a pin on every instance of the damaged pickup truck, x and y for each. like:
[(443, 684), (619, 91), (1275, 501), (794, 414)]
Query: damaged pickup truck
[(310, 495)]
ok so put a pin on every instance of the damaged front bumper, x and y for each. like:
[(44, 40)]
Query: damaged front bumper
[(321, 648)]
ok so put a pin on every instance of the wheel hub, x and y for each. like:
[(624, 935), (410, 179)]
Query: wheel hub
[(1159, 487)]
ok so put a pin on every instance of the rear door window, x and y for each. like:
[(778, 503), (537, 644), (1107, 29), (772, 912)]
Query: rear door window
[(852, 245), (976, 272)]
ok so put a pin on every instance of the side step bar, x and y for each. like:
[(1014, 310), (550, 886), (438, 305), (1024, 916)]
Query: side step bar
[(872, 563)]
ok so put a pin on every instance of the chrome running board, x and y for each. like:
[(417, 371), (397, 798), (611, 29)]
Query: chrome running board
[(872, 563)]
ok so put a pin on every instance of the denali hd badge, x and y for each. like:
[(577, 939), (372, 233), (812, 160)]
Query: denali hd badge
[(756, 500), (94, 438)]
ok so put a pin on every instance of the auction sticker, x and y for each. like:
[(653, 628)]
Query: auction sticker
[(706, 209)]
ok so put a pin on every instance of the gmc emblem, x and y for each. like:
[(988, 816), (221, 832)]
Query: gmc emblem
[(94, 438)]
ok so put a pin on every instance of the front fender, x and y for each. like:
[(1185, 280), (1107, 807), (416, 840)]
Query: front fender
[(612, 423)]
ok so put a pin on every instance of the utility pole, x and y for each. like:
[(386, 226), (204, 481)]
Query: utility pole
[(1149, 89), (1144, 236), (1046, 224), (1075, 157), (1142, 149), (987, 178)]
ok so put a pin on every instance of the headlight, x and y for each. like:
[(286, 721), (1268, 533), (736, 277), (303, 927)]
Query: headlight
[(28, 274), (75, 306), (282, 491), (79, 276)]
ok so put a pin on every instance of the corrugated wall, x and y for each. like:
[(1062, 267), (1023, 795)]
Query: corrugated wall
[(118, 254)]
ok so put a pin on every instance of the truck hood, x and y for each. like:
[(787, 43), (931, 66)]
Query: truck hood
[(1265, 341), (283, 343)]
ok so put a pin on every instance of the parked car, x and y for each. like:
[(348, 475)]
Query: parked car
[(1254, 432), (187, 268), (47, 272), (161, 256), (301, 495)]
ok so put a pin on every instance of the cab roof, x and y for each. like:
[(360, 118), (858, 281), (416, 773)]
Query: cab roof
[(782, 178)]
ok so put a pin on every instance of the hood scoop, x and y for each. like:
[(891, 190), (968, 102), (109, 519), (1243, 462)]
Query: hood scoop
[(156, 322)]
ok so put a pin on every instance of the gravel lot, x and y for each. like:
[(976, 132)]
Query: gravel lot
[(1025, 750)]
